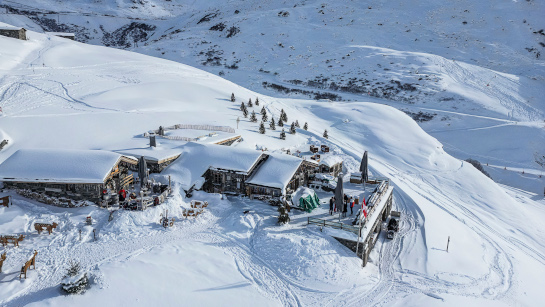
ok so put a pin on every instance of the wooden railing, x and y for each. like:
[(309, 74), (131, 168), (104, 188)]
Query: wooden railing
[(336, 225)]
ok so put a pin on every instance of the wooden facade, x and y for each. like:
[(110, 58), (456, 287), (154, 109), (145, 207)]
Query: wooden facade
[(77, 191), (219, 180), (333, 170)]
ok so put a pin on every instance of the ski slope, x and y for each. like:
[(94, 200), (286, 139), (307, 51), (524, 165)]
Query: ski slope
[(81, 96)]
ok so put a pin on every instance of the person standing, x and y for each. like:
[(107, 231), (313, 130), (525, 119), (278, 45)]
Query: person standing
[(331, 203), (351, 206), (122, 195), (345, 208)]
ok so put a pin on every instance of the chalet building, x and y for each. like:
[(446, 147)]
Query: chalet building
[(330, 164), (73, 174), (239, 171), (279, 174), (14, 32), (71, 36)]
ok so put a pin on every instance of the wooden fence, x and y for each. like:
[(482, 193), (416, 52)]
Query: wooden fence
[(336, 225)]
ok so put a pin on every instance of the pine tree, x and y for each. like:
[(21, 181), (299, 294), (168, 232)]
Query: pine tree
[(257, 101), (250, 102), (74, 282), (253, 118), (262, 128), (265, 117), (232, 97), (263, 111), (292, 128), (280, 123), (305, 126), (297, 124), (283, 216), (245, 112), (284, 116), (273, 124), (325, 134), (242, 106), (282, 135)]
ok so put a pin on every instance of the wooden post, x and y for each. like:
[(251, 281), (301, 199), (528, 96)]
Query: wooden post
[(94, 234), (448, 242)]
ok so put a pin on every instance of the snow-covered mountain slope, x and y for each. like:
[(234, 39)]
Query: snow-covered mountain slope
[(442, 63), (62, 94)]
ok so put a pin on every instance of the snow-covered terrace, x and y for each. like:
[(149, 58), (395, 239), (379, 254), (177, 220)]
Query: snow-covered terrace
[(202, 136), (276, 171), (58, 166)]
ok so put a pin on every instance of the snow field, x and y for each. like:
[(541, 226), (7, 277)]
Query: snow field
[(496, 253)]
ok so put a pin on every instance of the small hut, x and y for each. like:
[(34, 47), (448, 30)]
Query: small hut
[(14, 32)]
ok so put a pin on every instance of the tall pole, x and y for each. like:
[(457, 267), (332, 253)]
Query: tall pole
[(448, 242)]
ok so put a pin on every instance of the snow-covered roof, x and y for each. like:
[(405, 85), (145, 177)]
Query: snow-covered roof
[(276, 171), (154, 154), (60, 33), (10, 28), (196, 159), (330, 160), (58, 166)]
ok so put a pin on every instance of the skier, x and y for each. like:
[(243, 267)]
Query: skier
[(351, 206), (331, 202), (345, 208)]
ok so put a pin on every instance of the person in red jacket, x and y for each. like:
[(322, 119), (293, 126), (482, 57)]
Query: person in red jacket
[(122, 195)]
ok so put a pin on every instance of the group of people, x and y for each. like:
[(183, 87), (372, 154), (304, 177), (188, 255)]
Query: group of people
[(347, 202)]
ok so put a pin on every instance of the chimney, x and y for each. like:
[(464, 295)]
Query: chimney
[(152, 141)]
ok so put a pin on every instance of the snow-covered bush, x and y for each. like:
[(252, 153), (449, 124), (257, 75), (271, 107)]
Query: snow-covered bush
[(75, 281)]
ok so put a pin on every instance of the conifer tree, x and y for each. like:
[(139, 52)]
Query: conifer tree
[(253, 118), (265, 117), (325, 134), (245, 112), (283, 216), (283, 116), (257, 101), (273, 124), (250, 102), (283, 134), (263, 111), (292, 128), (232, 97), (305, 126), (262, 128), (242, 106), (297, 124), (280, 123)]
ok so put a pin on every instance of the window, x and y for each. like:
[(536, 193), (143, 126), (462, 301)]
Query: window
[(218, 178)]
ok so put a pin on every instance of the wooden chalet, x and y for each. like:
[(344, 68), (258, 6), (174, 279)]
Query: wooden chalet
[(72, 174), (278, 175)]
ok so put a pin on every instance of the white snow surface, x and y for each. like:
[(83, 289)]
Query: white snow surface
[(330, 159), (60, 94), (276, 171), (58, 165)]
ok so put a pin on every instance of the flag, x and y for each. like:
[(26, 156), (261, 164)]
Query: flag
[(365, 213)]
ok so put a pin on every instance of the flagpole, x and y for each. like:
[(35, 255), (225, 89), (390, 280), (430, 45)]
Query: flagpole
[(359, 225)]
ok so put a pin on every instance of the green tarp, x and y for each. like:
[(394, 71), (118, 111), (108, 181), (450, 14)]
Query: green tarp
[(309, 202)]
